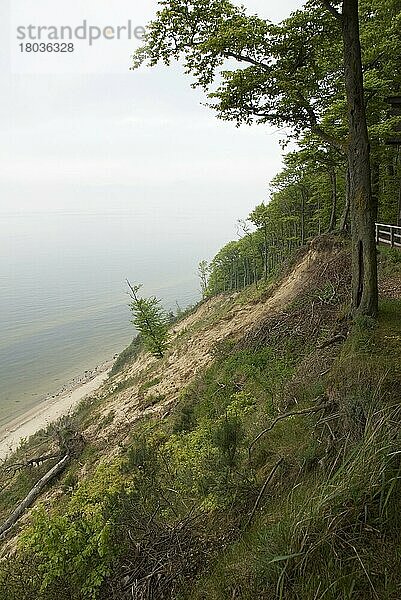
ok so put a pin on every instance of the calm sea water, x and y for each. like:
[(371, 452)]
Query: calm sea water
[(63, 301)]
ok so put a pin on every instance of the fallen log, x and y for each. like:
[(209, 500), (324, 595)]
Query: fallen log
[(32, 496)]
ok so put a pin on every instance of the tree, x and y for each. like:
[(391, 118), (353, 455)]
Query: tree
[(292, 74), (203, 270), (319, 165), (260, 217), (150, 320), (281, 71), (362, 208)]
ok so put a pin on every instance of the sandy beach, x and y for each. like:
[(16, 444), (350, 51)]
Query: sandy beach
[(51, 408)]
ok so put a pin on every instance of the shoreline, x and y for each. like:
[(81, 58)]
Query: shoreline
[(51, 407)]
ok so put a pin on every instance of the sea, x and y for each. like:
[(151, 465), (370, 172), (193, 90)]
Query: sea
[(63, 297)]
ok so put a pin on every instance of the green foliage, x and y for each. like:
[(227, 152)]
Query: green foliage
[(74, 549), (203, 270), (227, 437), (148, 385), (390, 262), (143, 454), (262, 91), (327, 526), (322, 541), (289, 75), (203, 459), (184, 418), (333, 531), (151, 321), (333, 503)]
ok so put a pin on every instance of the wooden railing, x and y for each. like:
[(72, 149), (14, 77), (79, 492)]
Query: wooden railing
[(390, 235)]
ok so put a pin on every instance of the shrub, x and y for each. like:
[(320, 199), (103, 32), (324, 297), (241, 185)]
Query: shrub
[(74, 550)]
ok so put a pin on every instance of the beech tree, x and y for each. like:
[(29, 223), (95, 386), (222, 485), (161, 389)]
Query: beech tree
[(286, 74), (260, 217), (150, 320), (363, 211), (304, 73)]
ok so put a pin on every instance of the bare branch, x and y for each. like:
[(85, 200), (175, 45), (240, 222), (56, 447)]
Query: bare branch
[(334, 340), (133, 290), (33, 462), (262, 491), (305, 411)]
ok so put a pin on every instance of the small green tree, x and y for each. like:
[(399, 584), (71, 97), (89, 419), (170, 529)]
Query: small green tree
[(203, 273), (150, 320)]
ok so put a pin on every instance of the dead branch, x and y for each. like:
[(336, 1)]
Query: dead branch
[(262, 491), (161, 554), (294, 413), (33, 462), (33, 494), (334, 340)]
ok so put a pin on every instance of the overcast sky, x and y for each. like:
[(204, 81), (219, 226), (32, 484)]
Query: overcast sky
[(89, 134)]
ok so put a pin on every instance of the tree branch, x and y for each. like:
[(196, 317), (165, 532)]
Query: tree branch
[(316, 128), (33, 462), (329, 139), (334, 340), (262, 491), (332, 10), (373, 63), (305, 411), (248, 59)]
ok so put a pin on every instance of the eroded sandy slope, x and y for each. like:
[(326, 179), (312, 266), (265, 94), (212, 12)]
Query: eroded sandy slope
[(192, 343)]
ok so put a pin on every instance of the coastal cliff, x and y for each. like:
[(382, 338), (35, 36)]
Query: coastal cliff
[(262, 447)]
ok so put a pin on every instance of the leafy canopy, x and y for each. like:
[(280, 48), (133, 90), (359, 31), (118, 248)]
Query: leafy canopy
[(279, 74), (288, 75)]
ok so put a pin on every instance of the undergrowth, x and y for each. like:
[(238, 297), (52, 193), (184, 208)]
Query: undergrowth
[(276, 475)]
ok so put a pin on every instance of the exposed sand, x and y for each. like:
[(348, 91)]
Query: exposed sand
[(48, 411), (192, 342)]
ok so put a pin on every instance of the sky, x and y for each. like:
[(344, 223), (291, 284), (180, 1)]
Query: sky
[(81, 132)]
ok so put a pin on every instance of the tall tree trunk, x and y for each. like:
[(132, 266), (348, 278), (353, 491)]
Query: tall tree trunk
[(345, 215), (266, 257), (319, 227), (362, 210), (236, 286), (333, 216), (399, 205), (375, 165), (302, 217), (255, 273)]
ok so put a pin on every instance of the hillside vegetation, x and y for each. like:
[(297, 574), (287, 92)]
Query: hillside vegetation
[(259, 459), (327, 76)]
